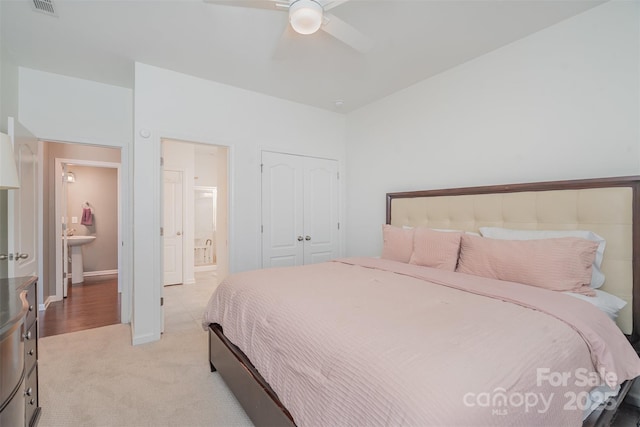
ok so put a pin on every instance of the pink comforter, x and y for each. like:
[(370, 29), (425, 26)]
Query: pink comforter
[(367, 342)]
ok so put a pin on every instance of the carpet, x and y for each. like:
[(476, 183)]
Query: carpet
[(96, 377)]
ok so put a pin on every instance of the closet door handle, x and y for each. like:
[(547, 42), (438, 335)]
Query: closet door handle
[(179, 233), (299, 238), (307, 238)]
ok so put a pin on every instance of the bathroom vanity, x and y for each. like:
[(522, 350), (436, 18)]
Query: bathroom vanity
[(18, 352)]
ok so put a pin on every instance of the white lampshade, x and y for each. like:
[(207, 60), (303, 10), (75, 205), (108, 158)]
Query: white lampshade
[(8, 171), (305, 16)]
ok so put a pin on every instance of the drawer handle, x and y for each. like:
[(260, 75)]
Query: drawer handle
[(28, 392), (30, 308), (32, 401), (31, 352), (27, 336)]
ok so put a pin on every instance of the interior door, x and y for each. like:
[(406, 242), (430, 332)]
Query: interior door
[(282, 210), (320, 210), (22, 204), (172, 229)]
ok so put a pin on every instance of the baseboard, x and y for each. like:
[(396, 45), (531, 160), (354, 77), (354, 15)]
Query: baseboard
[(49, 300), (201, 268), (100, 273), (144, 339)]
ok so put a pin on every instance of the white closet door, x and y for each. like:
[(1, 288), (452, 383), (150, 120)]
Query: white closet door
[(299, 210), (320, 210), (172, 229), (282, 202)]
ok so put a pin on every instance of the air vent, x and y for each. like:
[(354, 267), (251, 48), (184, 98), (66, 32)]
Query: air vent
[(44, 6)]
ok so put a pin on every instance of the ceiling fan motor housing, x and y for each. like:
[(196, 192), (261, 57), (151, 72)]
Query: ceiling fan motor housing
[(305, 16)]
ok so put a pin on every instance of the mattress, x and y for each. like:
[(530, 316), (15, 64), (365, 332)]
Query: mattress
[(376, 342)]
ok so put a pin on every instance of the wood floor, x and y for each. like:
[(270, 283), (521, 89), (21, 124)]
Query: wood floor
[(92, 304)]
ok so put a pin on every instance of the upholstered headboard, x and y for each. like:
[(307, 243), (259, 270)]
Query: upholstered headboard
[(607, 206)]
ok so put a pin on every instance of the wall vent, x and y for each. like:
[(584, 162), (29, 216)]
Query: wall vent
[(45, 6)]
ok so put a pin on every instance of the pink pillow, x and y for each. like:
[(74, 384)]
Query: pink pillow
[(398, 243), (562, 264), (437, 249)]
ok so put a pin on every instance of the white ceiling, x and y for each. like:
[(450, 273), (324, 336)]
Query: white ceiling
[(413, 40)]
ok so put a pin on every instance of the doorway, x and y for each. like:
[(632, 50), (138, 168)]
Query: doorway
[(205, 205), (195, 210), (88, 204), (194, 216), (82, 236)]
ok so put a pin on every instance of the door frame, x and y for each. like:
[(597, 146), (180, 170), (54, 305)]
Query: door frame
[(60, 211), (154, 271)]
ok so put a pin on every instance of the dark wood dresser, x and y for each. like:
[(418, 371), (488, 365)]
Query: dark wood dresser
[(19, 352)]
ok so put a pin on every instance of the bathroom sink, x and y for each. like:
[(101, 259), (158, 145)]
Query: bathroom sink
[(79, 240), (75, 247)]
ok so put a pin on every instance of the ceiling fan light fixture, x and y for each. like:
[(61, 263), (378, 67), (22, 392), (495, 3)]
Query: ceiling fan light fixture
[(305, 16)]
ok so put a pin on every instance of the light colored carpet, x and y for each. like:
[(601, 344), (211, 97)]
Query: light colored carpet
[(97, 378)]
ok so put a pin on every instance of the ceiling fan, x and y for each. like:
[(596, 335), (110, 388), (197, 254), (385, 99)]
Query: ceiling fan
[(310, 16)]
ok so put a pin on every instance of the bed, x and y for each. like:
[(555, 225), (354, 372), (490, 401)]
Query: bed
[(352, 377)]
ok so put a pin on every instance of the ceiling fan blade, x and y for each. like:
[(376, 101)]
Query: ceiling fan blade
[(254, 4), (282, 48), (330, 4), (347, 34)]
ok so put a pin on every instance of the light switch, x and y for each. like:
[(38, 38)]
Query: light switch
[(74, 220)]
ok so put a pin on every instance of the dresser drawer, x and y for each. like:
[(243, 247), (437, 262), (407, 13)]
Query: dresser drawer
[(11, 361), (33, 307), (13, 413), (31, 396), (30, 348)]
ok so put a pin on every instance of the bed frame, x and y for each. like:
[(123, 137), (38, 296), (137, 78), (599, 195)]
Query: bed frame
[(500, 205)]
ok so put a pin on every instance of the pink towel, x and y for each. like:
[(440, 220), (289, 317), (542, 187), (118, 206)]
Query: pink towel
[(87, 217)]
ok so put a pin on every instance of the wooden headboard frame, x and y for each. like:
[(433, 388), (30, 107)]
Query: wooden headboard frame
[(632, 182)]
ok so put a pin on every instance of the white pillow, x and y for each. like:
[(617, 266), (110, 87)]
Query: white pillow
[(609, 304), (597, 277), (446, 230)]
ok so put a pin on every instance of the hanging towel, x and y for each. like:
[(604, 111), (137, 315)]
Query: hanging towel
[(87, 216)]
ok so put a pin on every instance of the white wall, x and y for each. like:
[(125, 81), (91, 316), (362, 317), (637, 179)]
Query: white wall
[(560, 104), (8, 91), (177, 106), (222, 212), (60, 108), (8, 87), (206, 173), (8, 107)]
